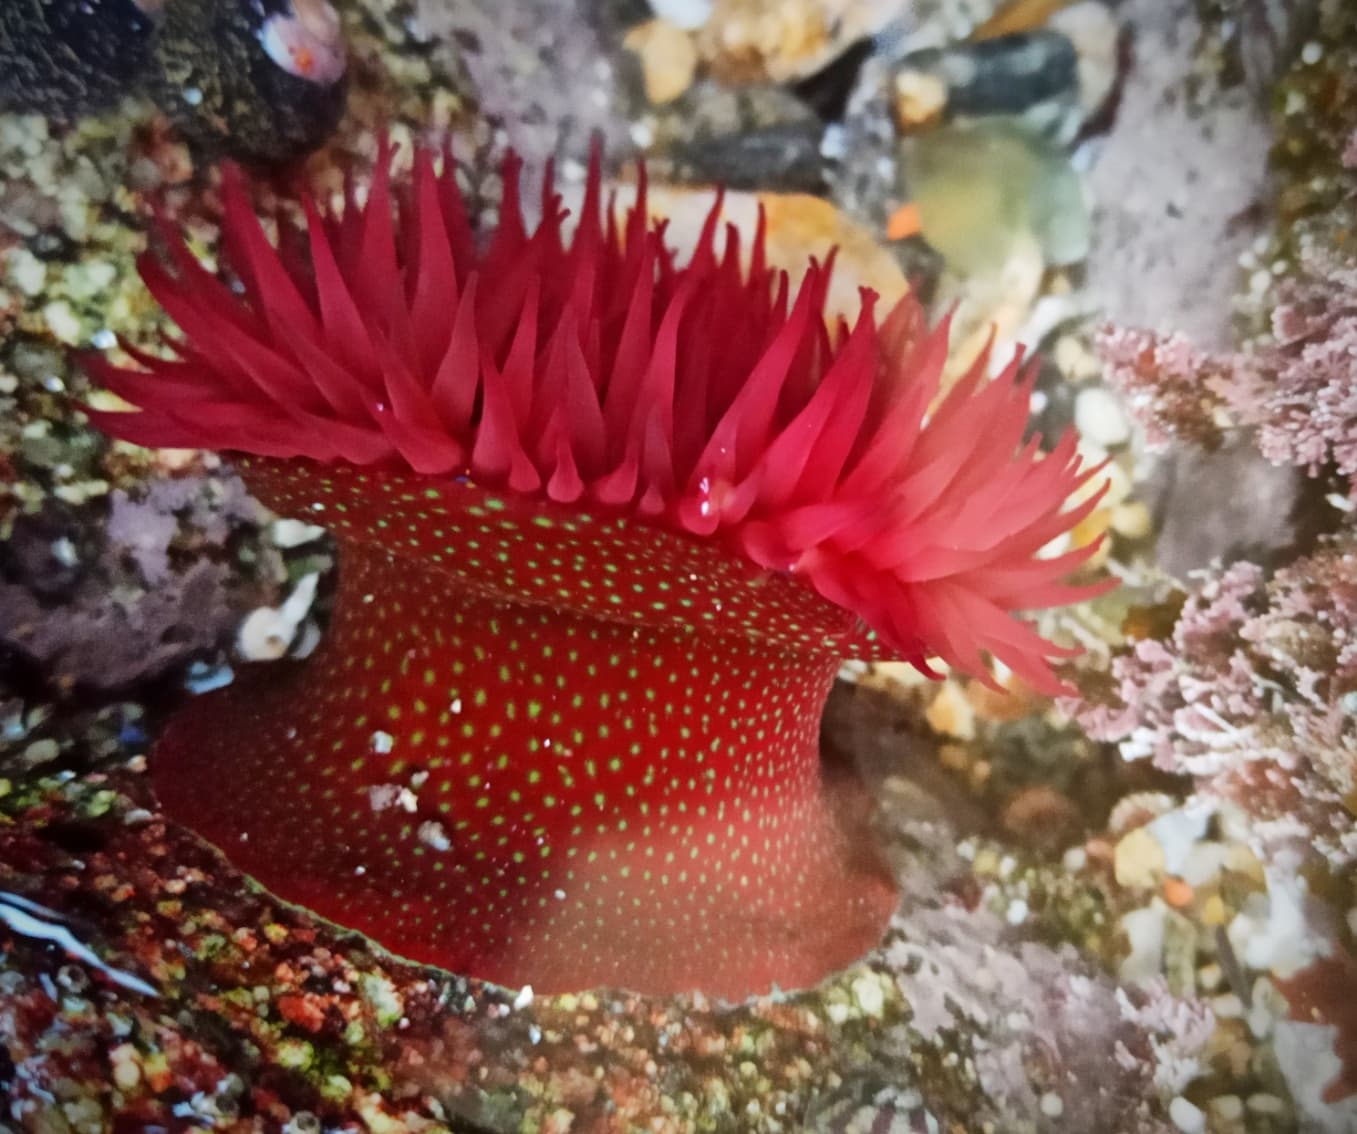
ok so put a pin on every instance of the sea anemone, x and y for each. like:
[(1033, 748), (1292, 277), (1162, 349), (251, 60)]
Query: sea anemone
[(608, 523)]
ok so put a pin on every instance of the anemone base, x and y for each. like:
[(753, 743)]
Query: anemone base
[(529, 794), (672, 922)]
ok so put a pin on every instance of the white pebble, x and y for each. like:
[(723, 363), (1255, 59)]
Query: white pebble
[(1270, 932), (687, 14), (27, 272), (1178, 831), (1227, 1108), (288, 533), (834, 143), (62, 321), (1052, 1105), (867, 992), (63, 551), (1186, 1117), (1266, 1104), (1098, 415), (42, 751), (642, 134), (1144, 930), (99, 275), (126, 1067), (432, 834)]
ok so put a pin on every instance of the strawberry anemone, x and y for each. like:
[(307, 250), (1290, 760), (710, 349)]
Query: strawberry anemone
[(608, 522)]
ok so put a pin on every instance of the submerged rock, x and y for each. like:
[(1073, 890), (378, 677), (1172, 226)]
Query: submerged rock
[(1029, 74), (68, 57), (263, 80), (980, 189)]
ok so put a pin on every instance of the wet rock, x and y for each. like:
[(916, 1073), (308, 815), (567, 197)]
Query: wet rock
[(826, 91), (1042, 818), (785, 158), (891, 1112), (543, 72), (1177, 185), (1097, 39), (402, 1046), (920, 99), (261, 80), (759, 137), (860, 150), (1033, 75), (936, 22), (1228, 505), (1250, 42), (668, 58), (1052, 1023), (980, 189), (65, 58), (92, 643), (109, 605), (1026, 83), (1090, 26), (264, 81), (44, 552), (747, 41)]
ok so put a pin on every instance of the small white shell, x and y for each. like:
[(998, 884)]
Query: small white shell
[(308, 44)]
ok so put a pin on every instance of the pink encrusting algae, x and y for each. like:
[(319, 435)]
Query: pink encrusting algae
[(608, 522)]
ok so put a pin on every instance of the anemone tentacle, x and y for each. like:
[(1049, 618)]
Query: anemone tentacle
[(708, 397)]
